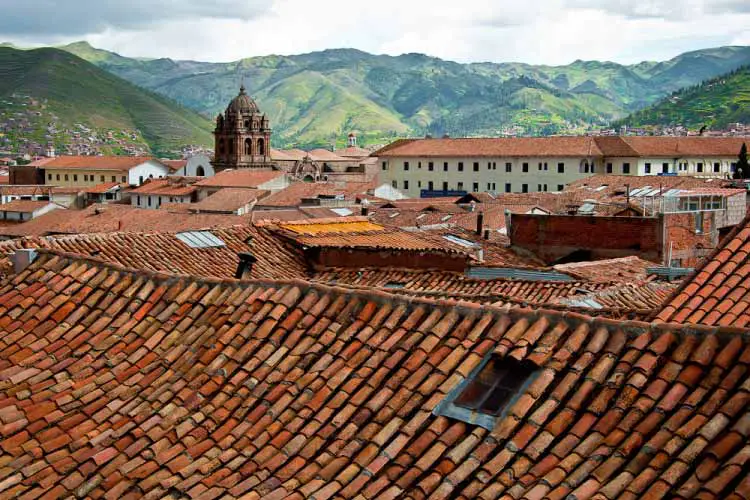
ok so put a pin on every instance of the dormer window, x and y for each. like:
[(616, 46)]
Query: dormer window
[(488, 392)]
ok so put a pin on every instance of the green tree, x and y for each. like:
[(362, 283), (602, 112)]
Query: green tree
[(742, 171)]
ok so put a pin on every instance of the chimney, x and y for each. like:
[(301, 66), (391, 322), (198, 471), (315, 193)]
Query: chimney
[(486, 234), (22, 258), (365, 210), (480, 223), (245, 265)]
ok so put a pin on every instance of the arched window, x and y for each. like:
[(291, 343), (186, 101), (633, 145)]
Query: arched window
[(261, 147), (248, 147), (200, 171), (247, 123)]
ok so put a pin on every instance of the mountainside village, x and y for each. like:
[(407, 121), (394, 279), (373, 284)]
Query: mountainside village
[(499, 318)]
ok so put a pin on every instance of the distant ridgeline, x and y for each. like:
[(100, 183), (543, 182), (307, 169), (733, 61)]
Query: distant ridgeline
[(714, 103), (316, 99)]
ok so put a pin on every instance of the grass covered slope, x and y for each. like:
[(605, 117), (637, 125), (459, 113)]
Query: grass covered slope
[(317, 98), (76, 91), (714, 103)]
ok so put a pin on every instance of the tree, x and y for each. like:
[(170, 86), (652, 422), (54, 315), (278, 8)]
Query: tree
[(742, 171)]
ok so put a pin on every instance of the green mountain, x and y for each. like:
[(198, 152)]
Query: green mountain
[(50, 95), (714, 103), (316, 98)]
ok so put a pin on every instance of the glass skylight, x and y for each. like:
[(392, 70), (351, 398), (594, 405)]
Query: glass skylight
[(200, 239)]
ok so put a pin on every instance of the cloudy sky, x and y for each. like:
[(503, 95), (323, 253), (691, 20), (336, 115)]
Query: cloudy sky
[(533, 31)]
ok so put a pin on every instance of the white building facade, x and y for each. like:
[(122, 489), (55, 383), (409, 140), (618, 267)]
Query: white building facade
[(434, 167)]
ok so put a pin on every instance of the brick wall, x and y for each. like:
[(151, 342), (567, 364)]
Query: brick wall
[(25, 175), (555, 237), (688, 244)]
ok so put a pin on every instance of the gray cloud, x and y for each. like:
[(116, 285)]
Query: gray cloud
[(52, 18)]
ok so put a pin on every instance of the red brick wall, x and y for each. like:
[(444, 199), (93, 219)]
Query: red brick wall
[(343, 257), (23, 174), (553, 237), (689, 247)]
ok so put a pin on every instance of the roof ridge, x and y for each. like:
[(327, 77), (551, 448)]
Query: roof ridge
[(629, 327)]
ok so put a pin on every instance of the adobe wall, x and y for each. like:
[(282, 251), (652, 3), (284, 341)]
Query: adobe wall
[(553, 237)]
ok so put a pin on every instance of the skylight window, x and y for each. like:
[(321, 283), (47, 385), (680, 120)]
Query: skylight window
[(200, 239), (488, 392), (446, 218), (394, 284), (459, 241)]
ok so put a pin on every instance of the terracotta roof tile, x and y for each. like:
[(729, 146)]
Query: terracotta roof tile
[(225, 389), (622, 269), (717, 293), (241, 178), (165, 252), (96, 162), (165, 187), (228, 200), (23, 206), (295, 193)]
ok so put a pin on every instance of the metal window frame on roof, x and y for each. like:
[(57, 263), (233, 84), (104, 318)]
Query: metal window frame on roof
[(200, 239)]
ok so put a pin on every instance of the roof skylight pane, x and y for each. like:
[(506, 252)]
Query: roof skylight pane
[(200, 239)]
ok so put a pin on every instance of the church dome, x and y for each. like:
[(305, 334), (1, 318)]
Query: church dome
[(243, 104)]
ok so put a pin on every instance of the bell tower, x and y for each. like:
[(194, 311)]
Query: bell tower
[(242, 138)]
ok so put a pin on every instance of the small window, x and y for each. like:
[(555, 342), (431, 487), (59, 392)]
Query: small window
[(419, 184), (560, 187), (406, 184), (647, 167), (49, 177), (540, 166), (507, 187), (508, 167), (609, 168), (524, 188), (699, 167), (665, 168), (445, 186), (406, 165), (58, 176), (525, 167), (546, 166), (475, 187), (561, 168), (431, 166), (75, 177), (460, 186), (101, 179), (114, 178), (476, 166), (385, 165), (460, 166), (66, 177), (489, 165), (85, 177), (419, 164), (717, 167), (445, 166), (489, 390), (430, 186), (626, 168), (394, 184)]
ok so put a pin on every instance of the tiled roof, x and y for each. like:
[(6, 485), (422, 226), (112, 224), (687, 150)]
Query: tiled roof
[(118, 384), (516, 146), (102, 188), (576, 146), (622, 269), (357, 232), (448, 283), (228, 200), (353, 152), (641, 297), (96, 162), (17, 190), (164, 252), (293, 194), (718, 293), (241, 178), (165, 187), (175, 165), (23, 206), (116, 217)]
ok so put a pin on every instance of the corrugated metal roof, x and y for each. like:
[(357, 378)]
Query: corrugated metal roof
[(488, 273)]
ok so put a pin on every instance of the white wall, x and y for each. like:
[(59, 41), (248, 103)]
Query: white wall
[(24, 216), (491, 174), (149, 169), (191, 169), (154, 201)]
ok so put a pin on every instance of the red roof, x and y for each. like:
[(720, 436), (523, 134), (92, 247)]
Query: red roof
[(566, 146), (228, 200), (165, 187), (118, 383), (295, 193), (241, 178), (102, 188), (95, 162), (23, 206), (719, 291)]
